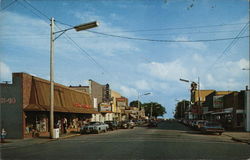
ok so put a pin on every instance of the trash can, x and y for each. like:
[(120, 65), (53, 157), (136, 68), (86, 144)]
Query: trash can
[(56, 133)]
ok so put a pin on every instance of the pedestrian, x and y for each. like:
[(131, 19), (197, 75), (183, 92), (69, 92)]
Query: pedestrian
[(65, 125), (3, 135)]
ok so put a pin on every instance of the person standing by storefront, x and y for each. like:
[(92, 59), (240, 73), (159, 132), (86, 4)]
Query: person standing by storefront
[(65, 125)]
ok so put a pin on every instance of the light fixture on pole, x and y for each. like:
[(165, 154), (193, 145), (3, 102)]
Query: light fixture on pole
[(184, 80), (139, 95), (52, 40), (246, 69)]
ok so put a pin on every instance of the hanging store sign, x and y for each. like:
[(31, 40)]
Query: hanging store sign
[(104, 107)]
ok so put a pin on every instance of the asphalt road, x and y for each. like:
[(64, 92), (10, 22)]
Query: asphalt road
[(170, 140)]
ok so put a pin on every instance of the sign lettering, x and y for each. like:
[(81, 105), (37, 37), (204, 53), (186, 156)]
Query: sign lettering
[(10, 100)]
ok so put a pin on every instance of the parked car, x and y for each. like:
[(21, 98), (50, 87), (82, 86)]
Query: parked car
[(94, 127), (152, 124), (127, 124), (199, 123), (113, 125), (212, 127)]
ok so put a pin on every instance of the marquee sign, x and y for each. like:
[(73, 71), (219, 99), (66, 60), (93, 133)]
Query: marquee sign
[(104, 107)]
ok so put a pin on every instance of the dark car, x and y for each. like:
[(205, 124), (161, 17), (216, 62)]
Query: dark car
[(127, 124), (152, 124), (212, 127), (113, 125)]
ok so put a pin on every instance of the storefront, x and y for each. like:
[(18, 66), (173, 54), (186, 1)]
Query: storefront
[(29, 114)]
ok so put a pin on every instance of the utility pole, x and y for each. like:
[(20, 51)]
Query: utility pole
[(52, 40), (199, 101), (52, 76), (151, 111)]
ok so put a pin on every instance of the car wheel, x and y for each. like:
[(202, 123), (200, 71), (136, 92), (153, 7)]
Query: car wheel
[(98, 131), (220, 133)]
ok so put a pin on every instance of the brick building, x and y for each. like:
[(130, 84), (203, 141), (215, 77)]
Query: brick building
[(25, 106)]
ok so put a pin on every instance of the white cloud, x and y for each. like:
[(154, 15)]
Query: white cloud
[(106, 45), (227, 76), (142, 85), (189, 45), (128, 92), (32, 33), (197, 57), (5, 72), (165, 71)]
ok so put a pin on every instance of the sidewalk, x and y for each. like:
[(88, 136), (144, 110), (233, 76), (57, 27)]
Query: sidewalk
[(239, 136), (17, 143)]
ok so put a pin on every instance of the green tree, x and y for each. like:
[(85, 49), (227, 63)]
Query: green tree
[(135, 104), (157, 109), (180, 109)]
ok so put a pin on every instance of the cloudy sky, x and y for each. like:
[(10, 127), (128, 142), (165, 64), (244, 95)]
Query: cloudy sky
[(139, 46)]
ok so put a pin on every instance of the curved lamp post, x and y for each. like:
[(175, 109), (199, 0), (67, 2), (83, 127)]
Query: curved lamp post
[(52, 40)]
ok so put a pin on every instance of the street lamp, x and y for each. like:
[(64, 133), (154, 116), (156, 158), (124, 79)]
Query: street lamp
[(245, 68), (184, 80), (52, 40), (138, 104), (139, 95)]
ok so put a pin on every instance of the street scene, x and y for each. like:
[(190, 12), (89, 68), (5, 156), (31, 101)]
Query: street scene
[(103, 79), (170, 140)]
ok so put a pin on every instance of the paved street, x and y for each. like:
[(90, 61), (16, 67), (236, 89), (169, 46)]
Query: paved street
[(170, 140)]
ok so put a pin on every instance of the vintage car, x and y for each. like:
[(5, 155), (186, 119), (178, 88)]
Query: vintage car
[(113, 125), (212, 127), (127, 124), (94, 127), (199, 123)]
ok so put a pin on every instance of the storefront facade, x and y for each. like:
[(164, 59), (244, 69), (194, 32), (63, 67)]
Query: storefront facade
[(30, 106)]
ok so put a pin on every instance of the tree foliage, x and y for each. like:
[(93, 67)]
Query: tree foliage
[(135, 104), (157, 109), (180, 109)]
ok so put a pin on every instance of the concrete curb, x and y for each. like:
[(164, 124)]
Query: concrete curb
[(241, 140), (12, 145), (238, 139), (68, 136)]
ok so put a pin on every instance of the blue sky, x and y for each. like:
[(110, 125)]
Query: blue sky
[(130, 66)]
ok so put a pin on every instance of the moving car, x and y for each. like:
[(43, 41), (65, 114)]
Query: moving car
[(212, 127), (113, 125), (94, 127)]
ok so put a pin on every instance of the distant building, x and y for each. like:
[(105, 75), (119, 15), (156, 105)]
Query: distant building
[(198, 97)]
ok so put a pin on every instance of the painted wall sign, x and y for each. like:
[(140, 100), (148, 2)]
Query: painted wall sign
[(82, 105), (9, 100)]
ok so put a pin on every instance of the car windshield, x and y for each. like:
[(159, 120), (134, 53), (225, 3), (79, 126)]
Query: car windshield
[(93, 123)]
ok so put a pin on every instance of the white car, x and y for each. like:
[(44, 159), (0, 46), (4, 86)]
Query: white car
[(94, 127)]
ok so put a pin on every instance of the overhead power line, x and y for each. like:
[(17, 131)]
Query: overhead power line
[(181, 28), (8, 5), (165, 40), (230, 45), (36, 14), (44, 15), (83, 51), (170, 28)]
